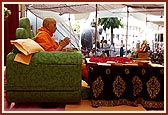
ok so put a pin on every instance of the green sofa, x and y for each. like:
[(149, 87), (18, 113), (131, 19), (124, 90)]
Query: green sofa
[(50, 76)]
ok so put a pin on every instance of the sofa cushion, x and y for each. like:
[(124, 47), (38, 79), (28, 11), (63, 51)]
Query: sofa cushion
[(25, 23), (21, 33), (27, 46)]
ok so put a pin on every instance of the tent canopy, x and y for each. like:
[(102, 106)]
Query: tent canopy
[(82, 11), (147, 8), (74, 8)]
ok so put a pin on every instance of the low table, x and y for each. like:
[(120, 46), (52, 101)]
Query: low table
[(126, 85)]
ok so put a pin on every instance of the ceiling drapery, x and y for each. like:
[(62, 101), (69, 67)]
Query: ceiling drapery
[(82, 11), (153, 9), (74, 8)]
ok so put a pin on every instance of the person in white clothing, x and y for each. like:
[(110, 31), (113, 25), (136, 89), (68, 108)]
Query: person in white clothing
[(106, 47), (112, 50), (92, 52)]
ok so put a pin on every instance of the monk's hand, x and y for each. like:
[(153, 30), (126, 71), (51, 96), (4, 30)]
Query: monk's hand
[(67, 40), (64, 42)]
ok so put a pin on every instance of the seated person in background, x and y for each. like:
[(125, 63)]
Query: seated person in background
[(45, 39), (104, 54), (92, 52), (98, 52), (95, 52), (144, 47)]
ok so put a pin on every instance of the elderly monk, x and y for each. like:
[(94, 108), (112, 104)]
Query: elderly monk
[(45, 39)]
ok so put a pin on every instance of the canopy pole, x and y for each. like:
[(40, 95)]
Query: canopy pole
[(69, 26), (96, 32), (126, 32), (23, 9)]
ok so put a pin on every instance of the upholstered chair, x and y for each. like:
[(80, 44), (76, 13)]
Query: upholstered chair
[(49, 77)]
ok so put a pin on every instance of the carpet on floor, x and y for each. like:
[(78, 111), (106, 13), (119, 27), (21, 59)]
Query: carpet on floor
[(32, 106), (85, 105)]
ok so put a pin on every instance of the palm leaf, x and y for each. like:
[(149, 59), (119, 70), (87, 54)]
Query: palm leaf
[(111, 22)]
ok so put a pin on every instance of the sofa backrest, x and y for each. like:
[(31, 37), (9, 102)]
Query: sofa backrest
[(24, 31)]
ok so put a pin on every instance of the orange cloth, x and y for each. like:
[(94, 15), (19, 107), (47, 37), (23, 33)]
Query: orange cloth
[(85, 72), (44, 38), (25, 59)]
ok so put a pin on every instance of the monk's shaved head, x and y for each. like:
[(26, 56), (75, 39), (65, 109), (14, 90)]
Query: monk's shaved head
[(50, 24), (47, 21)]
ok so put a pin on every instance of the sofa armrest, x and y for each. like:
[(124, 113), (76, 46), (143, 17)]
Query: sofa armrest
[(53, 58)]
